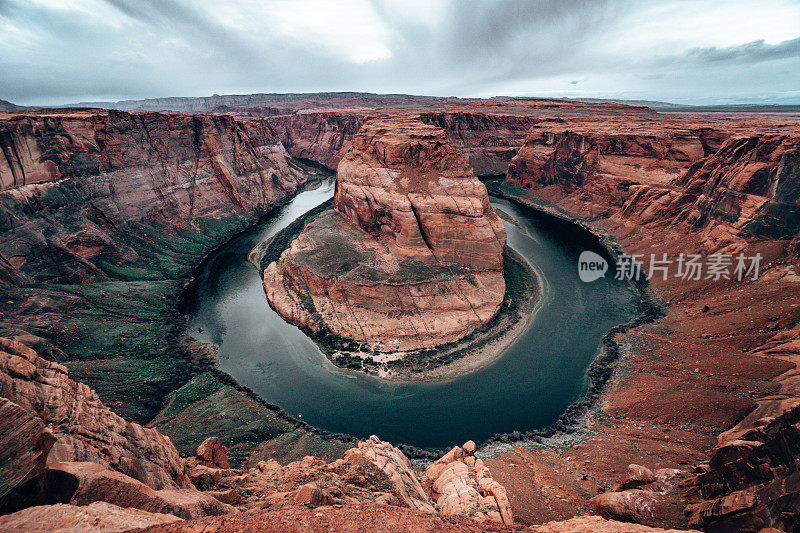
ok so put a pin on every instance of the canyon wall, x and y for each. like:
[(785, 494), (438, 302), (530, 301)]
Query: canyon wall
[(322, 136), (603, 166), (749, 187), (69, 182), (487, 140), (730, 186), (411, 255)]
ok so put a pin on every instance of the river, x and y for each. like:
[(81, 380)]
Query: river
[(526, 388)]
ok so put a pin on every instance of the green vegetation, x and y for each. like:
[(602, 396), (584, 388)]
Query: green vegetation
[(126, 339), (118, 318), (132, 387), (198, 388), (210, 404)]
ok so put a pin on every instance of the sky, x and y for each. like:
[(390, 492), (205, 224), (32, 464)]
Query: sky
[(685, 51)]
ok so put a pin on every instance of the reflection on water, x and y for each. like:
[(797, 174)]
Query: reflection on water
[(527, 388)]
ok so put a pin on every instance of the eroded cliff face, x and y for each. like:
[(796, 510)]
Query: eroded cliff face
[(70, 182), (602, 165), (727, 185), (77, 424), (489, 141), (411, 256), (750, 187), (322, 137)]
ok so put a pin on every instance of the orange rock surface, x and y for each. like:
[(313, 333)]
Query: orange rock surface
[(411, 255)]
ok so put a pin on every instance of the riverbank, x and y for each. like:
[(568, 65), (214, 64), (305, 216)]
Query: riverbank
[(571, 425), (523, 291), (523, 295), (677, 383)]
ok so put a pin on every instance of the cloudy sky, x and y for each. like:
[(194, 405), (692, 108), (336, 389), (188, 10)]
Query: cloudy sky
[(687, 51)]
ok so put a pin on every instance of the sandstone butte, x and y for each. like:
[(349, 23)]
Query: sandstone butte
[(410, 257), (702, 429)]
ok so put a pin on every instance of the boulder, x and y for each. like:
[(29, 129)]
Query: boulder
[(469, 448), (637, 475), (99, 517), (311, 494), (396, 465), (465, 486), (633, 505), (212, 453), (206, 478), (84, 483)]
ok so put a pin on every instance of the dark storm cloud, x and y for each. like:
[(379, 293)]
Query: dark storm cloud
[(159, 11), (493, 29), (485, 42), (753, 52), (59, 51)]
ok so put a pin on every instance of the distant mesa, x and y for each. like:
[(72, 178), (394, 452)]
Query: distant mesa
[(5, 105)]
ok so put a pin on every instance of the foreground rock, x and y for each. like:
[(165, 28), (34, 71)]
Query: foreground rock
[(411, 256), (752, 480), (644, 497), (385, 519), (212, 453), (84, 483), (373, 476), (465, 486), (25, 444), (395, 465), (84, 429), (100, 517)]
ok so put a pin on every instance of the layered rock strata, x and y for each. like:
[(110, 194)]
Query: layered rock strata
[(602, 166), (410, 257), (78, 426), (730, 187), (71, 182), (752, 480), (750, 187)]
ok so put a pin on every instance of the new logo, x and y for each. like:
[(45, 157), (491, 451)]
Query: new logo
[(591, 266)]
